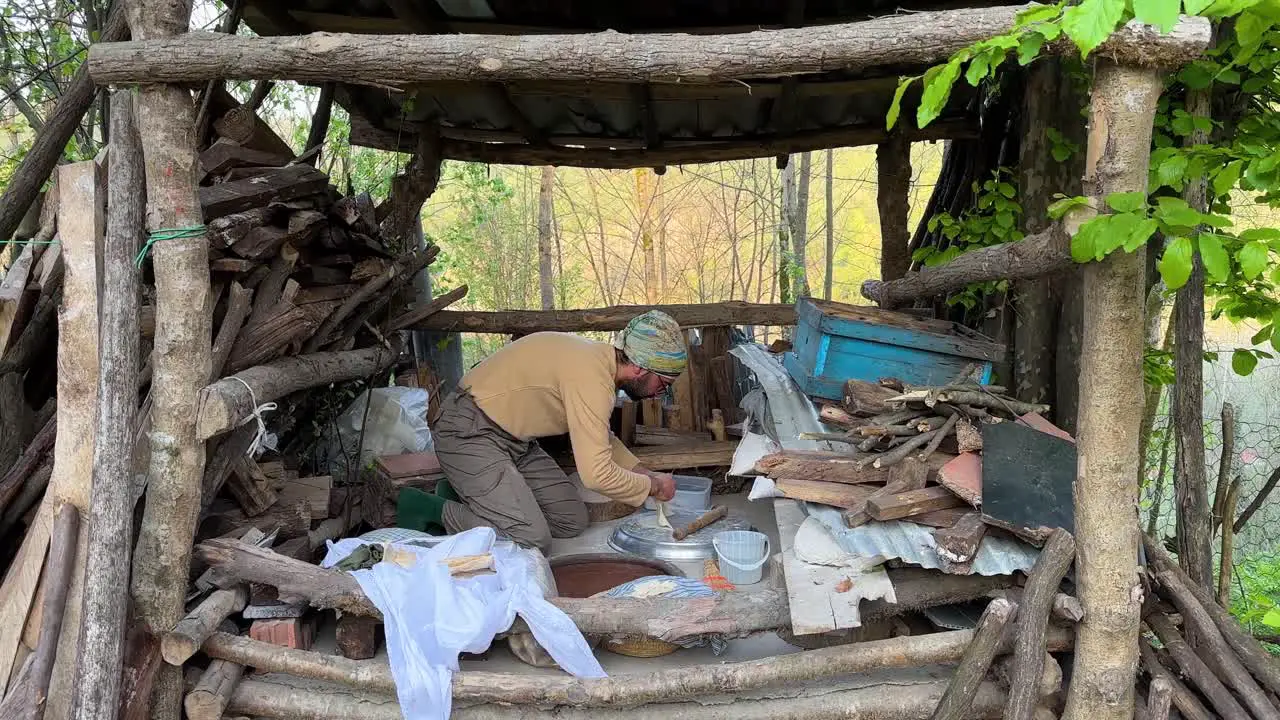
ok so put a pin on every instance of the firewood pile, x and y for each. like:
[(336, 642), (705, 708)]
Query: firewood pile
[(305, 291)]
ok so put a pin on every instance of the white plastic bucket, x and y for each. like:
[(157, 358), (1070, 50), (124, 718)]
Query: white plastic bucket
[(742, 554)]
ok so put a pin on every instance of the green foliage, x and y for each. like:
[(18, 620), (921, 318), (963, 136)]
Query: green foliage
[(996, 218), (1157, 367), (1255, 594)]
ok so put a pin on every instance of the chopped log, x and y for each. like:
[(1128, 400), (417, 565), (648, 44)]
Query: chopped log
[(1033, 619), (230, 229), (286, 521), (955, 703), (46, 148), (269, 290), (959, 544), (734, 614), (835, 470), (357, 637), (229, 401), (417, 314), (185, 639), (864, 398), (96, 688), (912, 502), (213, 693), (316, 492), (1187, 702), (1159, 699), (906, 476), (15, 479), (231, 265), (243, 126), (30, 495), (524, 322), (620, 690), (680, 457), (28, 697), (286, 183), (250, 487), (405, 264), (1195, 669), (922, 39), (357, 213), (222, 455), (1184, 592), (225, 154), (239, 302), (264, 342)]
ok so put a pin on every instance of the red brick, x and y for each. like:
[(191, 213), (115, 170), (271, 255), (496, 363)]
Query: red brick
[(295, 633)]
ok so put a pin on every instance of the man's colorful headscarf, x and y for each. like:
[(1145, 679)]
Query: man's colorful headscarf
[(655, 342)]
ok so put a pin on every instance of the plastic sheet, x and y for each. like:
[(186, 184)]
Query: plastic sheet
[(430, 617), (395, 423)]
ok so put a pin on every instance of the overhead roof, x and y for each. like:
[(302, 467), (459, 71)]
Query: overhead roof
[(610, 124)]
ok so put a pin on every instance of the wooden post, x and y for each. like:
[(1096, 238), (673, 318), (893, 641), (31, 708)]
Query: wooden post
[(97, 681), (1033, 620), (182, 348), (80, 223), (1106, 492), (893, 170), (977, 659)]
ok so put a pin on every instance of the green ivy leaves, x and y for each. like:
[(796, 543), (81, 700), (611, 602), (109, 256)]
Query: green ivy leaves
[(1176, 262), (1161, 13), (1091, 22)]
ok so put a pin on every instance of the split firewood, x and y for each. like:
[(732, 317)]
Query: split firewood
[(212, 694), (1186, 701), (864, 398), (180, 643)]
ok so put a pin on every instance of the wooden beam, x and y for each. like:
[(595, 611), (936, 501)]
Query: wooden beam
[(229, 401), (1035, 256), (672, 152), (660, 92), (680, 457), (523, 322), (622, 690), (391, 60)]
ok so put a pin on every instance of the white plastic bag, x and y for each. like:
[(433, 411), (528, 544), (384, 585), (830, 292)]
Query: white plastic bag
[(396, 423), (431, 617)]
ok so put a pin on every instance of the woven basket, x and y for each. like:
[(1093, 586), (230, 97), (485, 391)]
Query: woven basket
[(640, 647)]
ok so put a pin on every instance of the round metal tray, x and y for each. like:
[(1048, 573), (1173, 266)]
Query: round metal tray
[(640, 535)]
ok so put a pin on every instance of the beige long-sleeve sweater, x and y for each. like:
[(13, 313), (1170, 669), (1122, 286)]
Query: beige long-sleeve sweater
[(548, 384)]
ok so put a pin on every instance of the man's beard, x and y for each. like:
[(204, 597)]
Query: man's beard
[(634, 390)]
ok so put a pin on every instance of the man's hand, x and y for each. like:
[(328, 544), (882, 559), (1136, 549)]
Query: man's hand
[(662, 487)]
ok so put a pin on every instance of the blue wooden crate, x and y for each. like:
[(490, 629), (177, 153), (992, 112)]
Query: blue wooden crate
[(835, 342)]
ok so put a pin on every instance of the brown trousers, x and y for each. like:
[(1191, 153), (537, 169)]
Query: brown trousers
[(508, 484)]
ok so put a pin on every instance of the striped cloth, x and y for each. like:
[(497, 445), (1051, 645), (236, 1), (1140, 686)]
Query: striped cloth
[(655, 342)]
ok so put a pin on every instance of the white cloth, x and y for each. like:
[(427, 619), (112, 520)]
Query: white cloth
[(431, 617)]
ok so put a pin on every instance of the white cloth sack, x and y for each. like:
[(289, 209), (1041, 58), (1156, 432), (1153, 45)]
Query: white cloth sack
[(431, 617)]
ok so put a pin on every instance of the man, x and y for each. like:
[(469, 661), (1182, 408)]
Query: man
[(542, 385)]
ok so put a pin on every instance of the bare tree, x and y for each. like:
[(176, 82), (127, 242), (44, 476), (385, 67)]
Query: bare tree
[(545, 212), (831, 229)]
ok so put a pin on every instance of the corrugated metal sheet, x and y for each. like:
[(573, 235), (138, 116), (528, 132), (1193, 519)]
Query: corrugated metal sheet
[(791, 410), (914, 544)]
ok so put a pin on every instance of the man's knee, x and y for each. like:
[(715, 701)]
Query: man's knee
[(536, 532), (569, 520)]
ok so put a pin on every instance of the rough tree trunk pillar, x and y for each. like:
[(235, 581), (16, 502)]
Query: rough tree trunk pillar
[(166, 121), (1195, 522), (1040, 175), (893, 171), (97, 683), (1106, 490), (546, 208)]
